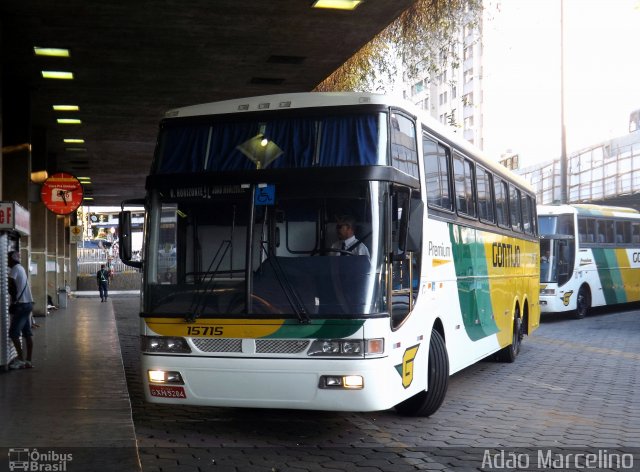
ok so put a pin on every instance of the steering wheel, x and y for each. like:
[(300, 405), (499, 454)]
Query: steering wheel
[(323, 251)]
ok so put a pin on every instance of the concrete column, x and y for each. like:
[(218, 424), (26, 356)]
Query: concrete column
[(52, 255), (39, 258), (60, 243)]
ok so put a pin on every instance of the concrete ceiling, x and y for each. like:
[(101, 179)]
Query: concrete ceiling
[(134, 60)]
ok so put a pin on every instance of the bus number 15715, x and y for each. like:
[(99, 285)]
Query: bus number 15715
[(204, 331)]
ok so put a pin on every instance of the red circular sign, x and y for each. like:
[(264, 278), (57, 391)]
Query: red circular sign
[(62, 193)]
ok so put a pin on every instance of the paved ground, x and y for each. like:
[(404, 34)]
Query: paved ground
[(575, 387)]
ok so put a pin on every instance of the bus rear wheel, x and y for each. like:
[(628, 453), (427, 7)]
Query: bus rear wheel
[(510, 353), (583, 303), (427, 402)]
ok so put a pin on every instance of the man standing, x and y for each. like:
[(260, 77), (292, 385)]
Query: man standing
[(22, 300), (103, 283)]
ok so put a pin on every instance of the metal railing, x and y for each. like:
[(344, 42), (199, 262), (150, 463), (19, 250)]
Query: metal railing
[(90, 260)]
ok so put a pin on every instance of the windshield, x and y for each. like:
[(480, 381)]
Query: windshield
[(267, 251), (556, 224)]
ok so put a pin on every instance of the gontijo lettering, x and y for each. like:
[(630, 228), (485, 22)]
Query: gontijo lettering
[(505, 255)]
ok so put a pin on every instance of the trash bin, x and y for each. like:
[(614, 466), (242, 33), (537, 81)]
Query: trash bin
[(62, 298)]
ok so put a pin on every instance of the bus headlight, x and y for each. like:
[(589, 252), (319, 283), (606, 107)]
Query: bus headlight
[(345, 347), (170, 344), (347, 382), (162, 376)]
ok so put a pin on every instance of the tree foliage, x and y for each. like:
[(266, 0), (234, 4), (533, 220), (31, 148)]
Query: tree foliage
[(424, 37)]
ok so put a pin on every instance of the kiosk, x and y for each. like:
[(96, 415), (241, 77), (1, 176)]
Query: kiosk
[(14, 222)]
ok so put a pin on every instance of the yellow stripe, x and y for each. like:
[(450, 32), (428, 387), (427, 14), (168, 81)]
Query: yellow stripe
[(629, 275), (208, 328)]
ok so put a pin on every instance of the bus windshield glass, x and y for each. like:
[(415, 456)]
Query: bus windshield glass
[(556, 225), (245, 144), (251, 251)]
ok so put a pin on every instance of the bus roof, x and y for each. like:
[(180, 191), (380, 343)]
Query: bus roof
[(588, 209), (300, 100)]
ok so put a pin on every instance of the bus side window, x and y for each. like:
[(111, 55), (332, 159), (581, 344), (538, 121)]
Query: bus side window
[(610, 236), (436, 174), (601, 232), (404, 149), (464, 185), (502, 204), (485, 200), (514, 206), (635, 236), (582, 230)]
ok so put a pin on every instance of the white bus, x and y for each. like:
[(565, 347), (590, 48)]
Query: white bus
[(590, 257), (243, 303)]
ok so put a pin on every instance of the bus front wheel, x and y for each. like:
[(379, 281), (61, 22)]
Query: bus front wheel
[(583, 303), (427, 402)]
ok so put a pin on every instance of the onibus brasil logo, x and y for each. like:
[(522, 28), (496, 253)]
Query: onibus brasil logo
[(33, 460)]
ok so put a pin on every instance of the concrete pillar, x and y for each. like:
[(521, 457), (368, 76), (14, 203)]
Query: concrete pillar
[(60, 259), (51, 254), (39, 215)]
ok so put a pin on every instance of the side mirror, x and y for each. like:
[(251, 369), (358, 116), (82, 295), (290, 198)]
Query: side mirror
[(413, 242), (124, 230), (410, 238)]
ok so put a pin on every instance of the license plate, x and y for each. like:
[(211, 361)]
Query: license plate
[(167, 391)]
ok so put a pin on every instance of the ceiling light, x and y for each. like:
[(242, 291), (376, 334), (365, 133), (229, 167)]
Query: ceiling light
[(39, 176), (88, 198), (73, 140), (53, 74), (337, 4), (66, 107), (68, 121), (52, 52)]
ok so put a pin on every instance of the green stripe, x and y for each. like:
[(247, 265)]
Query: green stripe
[(610, 277), (474, 291)]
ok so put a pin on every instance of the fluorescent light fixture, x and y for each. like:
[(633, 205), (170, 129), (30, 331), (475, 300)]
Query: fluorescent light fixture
[(76, 149), (51, 52), (73, 141), (66, 107), (68, 121), (88, 198), (56, 74), (83, 178), (337, 4)]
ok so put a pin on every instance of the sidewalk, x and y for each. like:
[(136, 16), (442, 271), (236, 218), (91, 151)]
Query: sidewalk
[(112, 293), (75, 399)]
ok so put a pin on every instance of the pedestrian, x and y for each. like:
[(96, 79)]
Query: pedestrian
[(103, 283), (21, 305)]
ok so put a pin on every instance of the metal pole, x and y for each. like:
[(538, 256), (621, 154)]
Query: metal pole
[(563, 137)]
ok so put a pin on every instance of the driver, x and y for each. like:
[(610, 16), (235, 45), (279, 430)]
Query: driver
[(347, 241)]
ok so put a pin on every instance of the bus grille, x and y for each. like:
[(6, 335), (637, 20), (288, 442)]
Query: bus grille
[(218, 345), (280, 346)]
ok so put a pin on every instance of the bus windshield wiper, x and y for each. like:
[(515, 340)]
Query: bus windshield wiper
[(200, 301), (289, 291)]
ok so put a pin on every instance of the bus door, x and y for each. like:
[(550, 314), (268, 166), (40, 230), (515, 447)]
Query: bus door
[(557, 260)]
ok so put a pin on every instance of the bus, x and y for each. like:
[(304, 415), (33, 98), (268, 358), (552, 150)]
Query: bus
[(247, 300), (590, 257)]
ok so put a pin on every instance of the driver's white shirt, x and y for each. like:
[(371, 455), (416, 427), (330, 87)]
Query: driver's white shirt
[(359, 250)]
